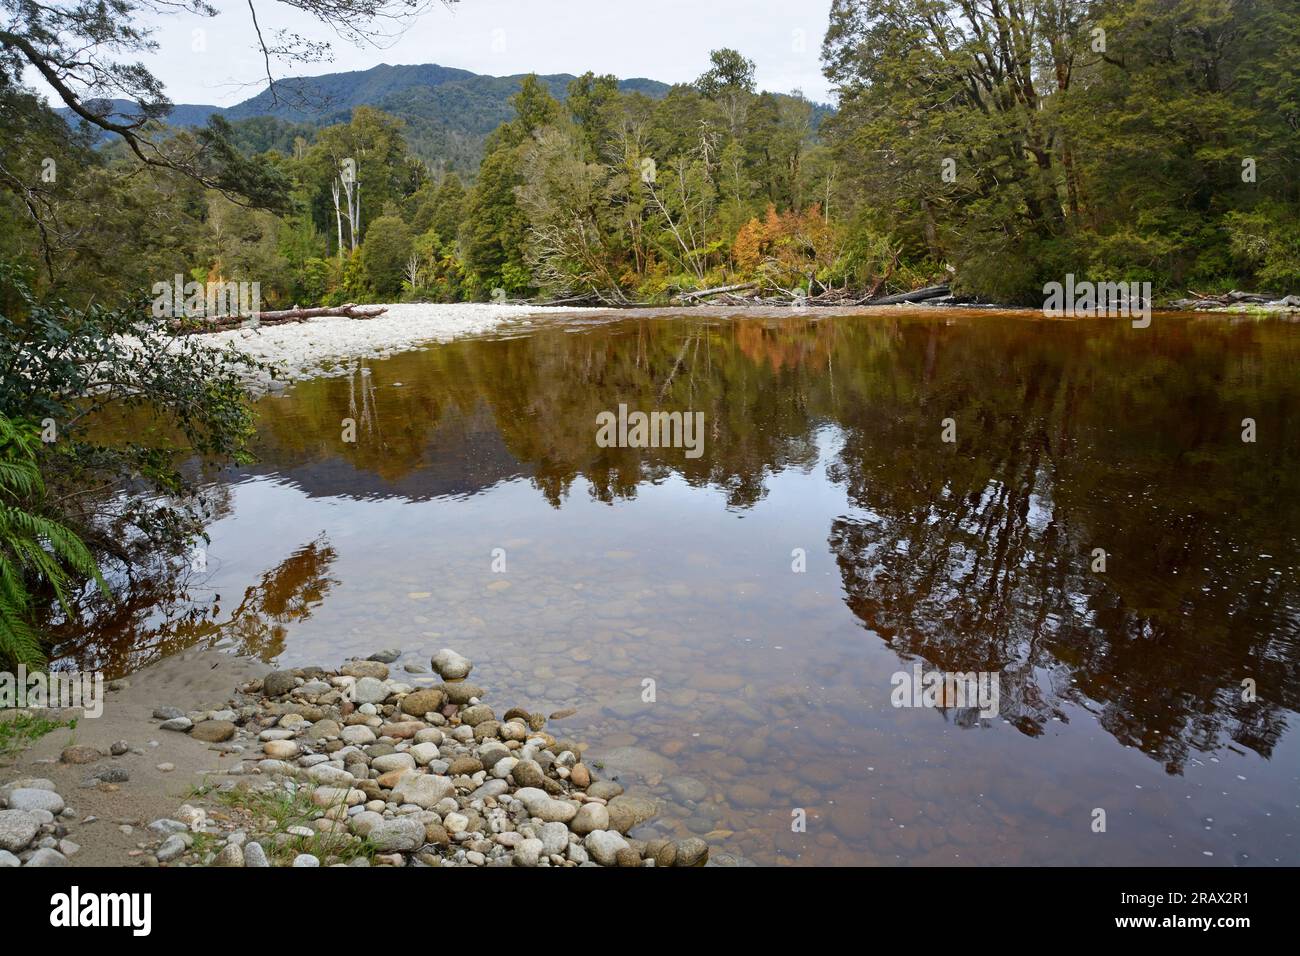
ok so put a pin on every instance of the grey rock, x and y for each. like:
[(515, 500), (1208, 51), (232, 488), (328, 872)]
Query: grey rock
[(423, 789), (529, 852), (691, 852), (542, 806), (591, 816), (403, 833), (17, 829), (638, 761), (166, 827), (477, 714), (331, 776), (180, 724), (255, 856), (362, 823), (604, 789), (688, 788), (305, 859), (371, 668), (603, 845), (26, 798), (278, 682), (577, 853), (47, 857), (26, 783), (554, 837), (171, 848), (450, 665), (491, 788), (367, 690), (393, 761), (231, 855), (358, 735), (528, 773), (213, 731)]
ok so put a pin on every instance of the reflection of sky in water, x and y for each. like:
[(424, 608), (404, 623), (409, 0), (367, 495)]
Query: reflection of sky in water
[(774, 686)]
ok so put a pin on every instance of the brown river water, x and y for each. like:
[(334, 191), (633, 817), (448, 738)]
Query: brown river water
[(729, 627)]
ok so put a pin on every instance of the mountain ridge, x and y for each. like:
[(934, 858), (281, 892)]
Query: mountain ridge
[(364, 88), (448, 112)]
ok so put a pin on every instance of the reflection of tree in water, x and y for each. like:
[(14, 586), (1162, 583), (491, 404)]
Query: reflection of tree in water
[(1071, 436), (745, 376), (159, 615), (286, 594), (977, 556), (366, 418)]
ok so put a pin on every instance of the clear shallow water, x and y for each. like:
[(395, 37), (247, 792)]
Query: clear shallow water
[(1120, 690)]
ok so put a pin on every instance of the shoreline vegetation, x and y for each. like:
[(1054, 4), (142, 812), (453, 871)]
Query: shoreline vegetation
[(990, 177)]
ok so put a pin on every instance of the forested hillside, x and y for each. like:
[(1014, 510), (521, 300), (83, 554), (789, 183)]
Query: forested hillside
[(448, 112), (1140, 140)]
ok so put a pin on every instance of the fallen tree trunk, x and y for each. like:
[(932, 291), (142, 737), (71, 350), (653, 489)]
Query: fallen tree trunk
[(718, 290), (917, 295), (279, 317), (1235, 299)]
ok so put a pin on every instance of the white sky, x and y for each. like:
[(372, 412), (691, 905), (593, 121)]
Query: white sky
[(666, 40)]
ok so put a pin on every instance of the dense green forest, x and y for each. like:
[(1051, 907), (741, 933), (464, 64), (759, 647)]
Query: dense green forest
[(996, 148)]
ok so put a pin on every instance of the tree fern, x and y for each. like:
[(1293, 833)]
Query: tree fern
[(34, 549)]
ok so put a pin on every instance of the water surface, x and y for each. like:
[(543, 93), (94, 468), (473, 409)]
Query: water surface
[(826, 539)]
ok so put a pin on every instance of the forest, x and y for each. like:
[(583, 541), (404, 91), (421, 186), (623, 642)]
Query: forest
[(993, 148)]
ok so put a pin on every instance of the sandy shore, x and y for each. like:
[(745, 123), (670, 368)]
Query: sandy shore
[(208, 759), (107, 818)]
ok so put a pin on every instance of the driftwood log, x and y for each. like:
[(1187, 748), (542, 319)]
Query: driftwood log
[(718, 290), (1199, 301), (842, 297), (917, 295), (224, 322)]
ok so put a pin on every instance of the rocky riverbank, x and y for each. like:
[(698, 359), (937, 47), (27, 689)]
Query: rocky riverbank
[(1235, 301), (356, 767)]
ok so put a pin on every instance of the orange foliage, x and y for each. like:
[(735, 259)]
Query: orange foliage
[(791, 241), (787, 343)]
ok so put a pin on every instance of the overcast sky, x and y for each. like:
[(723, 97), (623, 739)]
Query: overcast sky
[(665, 40)]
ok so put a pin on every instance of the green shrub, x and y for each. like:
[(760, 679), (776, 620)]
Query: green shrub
[(36, 551)]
